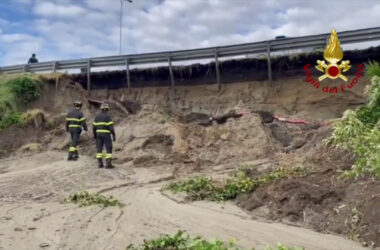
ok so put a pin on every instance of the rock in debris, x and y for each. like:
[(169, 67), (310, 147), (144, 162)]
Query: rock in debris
[(43, 245)]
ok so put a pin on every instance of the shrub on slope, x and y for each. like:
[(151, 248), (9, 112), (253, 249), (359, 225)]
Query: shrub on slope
[(15, 91), (359, 131)]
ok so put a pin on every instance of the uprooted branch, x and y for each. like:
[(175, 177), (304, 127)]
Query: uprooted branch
[(117, 104)]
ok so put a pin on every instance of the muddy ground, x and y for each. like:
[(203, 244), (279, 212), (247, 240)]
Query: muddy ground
[(34, 217), (157, 143)]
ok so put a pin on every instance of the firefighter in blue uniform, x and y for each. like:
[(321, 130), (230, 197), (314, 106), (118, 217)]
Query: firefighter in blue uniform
[(75, 121), (103, 129)]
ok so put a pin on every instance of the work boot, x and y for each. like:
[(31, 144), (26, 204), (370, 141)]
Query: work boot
[(109, 164), (70, 157), (100, 163), (75, 155)]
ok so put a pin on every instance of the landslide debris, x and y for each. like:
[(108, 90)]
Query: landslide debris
[(207, 143)]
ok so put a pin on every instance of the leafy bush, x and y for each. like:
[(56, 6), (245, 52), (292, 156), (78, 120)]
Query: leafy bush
[(200, 188), (197, 188), (370, 113), (182, 241), (16, 90), (84, 198), (233, 187), (373, 68), (25, 88), (364, 141), (359, 131)]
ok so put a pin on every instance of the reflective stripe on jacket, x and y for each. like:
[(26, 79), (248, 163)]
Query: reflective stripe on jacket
[(75, 119), (103, 124)]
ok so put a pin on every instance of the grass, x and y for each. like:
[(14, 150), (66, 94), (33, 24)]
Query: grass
[(182, 241), (7, 99), (283, 247), (32, 147), (15, 91), (199, 188), (84, 198), (37, 117), (12, 118), (353, 225), (359, 132), (373, 68)]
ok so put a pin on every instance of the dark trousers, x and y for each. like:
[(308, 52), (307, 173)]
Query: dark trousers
[(103, 140), (75, 135)]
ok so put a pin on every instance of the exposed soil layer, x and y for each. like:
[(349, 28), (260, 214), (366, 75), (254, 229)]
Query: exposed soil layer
[(287, 97), (231, 71)]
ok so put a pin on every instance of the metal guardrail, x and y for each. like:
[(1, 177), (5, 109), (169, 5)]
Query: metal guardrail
[(345, 37)]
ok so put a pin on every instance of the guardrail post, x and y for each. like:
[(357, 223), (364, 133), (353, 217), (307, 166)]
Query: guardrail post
[(128, 75), (55, 64), (25, 68), (55, 67), (327, 40), (217, 69), (171, 72), (88, 77), (269, 62)]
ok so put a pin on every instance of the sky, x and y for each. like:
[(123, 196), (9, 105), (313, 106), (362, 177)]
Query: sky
[(73, 29)]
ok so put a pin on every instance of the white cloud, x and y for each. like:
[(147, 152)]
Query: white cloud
[(18, 47), (63, 29), (14, 38), (23, 1), (49, 9), (3, 22)]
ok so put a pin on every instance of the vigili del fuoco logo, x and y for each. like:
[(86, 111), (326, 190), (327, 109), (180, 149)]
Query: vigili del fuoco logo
[(333, 69)]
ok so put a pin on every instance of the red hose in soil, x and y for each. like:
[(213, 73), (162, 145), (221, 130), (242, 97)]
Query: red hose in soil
[(289, 120)]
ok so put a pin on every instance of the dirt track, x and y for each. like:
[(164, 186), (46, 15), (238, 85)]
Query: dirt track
[(31, 189)]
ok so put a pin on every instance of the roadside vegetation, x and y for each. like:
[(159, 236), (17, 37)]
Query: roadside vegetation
[(16, 91), (359, 132), (199, 188), (84, 198), (182, 241)]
